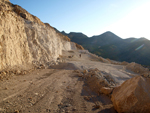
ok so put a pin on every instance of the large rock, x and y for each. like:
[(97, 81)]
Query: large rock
[(106, 90), (133, 96)]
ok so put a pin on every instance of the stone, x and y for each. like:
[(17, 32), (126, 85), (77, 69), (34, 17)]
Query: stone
[(4, 73), (18, 72), (16, 111), (133, 96), (85, 71), (23, 72), (36, 94), (106, 90)]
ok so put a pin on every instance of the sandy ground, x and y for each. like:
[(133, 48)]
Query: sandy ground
[(59, 89)]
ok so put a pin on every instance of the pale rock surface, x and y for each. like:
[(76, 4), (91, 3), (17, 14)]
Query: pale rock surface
[(14, 48), (73, 46), (133, 96), (44, 43), (24, 39)]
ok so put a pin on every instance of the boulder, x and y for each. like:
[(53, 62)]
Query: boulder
[(85, 71), (106, 90), (133, 96)]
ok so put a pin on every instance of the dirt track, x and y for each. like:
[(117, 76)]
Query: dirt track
[(49, 90), (55, 90)]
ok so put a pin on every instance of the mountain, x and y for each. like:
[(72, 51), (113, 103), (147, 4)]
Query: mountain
[(109, 45), (104, 39), (76, 37), (136, 51)]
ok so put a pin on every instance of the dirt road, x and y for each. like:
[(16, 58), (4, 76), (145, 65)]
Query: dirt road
[(49, 90), (58, 89)]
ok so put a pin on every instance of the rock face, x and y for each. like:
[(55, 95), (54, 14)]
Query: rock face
[(133, 96), (25, 39), (44, 43), (14, 48)]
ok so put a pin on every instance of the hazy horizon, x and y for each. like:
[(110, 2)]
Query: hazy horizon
[(125, 18)]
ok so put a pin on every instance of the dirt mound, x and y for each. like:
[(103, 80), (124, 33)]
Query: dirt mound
[(137, 68)]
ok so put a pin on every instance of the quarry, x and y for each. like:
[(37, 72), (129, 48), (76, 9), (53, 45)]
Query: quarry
[(42, 71)]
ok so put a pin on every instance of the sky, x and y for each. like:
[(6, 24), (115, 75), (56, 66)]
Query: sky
[(125, 18)]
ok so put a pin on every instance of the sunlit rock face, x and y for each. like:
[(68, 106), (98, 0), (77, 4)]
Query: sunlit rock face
[(44, 42), (24, 38), (133, 96), (14, 48)]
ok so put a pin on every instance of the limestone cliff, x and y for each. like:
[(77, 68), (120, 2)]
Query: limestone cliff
[(25, 39)]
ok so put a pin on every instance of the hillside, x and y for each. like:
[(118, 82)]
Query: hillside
[(25, 41), (109, 45)]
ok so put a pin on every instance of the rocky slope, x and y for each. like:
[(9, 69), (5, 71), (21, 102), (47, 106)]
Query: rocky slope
[(24, 39)]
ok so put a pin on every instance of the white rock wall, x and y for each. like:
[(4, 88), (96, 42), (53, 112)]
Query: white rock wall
[(14, 48), (73, 46), (44, 43), (23, 41)]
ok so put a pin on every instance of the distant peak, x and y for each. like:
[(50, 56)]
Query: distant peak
[(76, 33), (108, 32), (63, 32)]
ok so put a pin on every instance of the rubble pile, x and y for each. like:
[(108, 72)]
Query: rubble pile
[(137, 68), (98, 81)]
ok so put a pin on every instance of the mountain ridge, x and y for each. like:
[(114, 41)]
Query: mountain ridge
[(109, 45)]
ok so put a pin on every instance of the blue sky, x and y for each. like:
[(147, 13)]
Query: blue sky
[(125, 18)]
